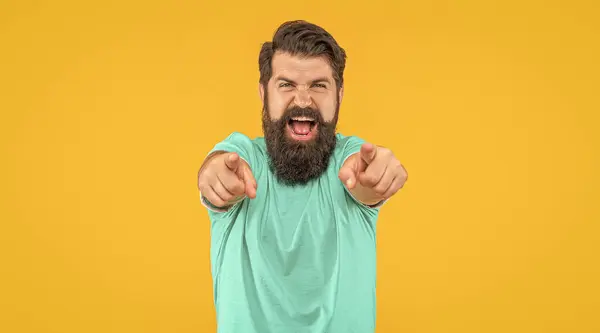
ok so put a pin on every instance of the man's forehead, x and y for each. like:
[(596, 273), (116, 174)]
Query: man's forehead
[(300, 67)]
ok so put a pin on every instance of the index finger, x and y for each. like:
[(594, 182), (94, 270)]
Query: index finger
[(232, 161), (368, 152)]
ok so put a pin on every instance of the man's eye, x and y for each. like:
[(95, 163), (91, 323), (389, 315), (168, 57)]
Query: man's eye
[(319, 85), (285, 85)]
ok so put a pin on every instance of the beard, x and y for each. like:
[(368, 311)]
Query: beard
[(297, 162)]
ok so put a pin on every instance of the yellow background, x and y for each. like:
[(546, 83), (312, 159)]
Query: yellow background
[(108, 108)]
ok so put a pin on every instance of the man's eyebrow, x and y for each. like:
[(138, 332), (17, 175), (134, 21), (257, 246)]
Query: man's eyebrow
[(283, 78), (322, 79)]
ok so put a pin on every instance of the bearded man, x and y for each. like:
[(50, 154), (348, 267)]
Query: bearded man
[(293, 214)]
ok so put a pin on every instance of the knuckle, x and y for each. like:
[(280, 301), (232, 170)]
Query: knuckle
[(386, 152), (201, 177), (398, 187), (237, 188), (207, 176), (380, 190), (372, 179), (215, 200), (365, 180), (204, 183), (220, 201), (403, 176)]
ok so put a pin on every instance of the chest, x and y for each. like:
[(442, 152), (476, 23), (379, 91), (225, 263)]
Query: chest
[(295, 215)]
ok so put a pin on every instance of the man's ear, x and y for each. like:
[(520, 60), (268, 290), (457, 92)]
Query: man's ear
[(341, 94), (261, 92)]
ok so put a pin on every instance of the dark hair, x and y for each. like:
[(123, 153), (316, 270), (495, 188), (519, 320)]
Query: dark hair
[(301, 38)]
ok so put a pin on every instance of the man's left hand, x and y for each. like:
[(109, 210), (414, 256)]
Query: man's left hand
[(373, 175)]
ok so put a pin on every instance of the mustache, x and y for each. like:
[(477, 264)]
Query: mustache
[(302, 112)]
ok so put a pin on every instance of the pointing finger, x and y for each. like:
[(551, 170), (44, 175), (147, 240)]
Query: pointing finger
[(368, 153), (232, 161)]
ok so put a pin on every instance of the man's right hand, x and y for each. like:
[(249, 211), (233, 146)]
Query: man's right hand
[(225, 178)]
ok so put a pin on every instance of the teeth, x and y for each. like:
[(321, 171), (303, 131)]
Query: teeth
[(302, 119)]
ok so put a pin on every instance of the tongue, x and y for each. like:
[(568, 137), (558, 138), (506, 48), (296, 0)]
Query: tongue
[(301, 127)]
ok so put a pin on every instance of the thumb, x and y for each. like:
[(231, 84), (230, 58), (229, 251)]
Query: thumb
[(249, 182), (347, 176), (232, 161), (367, 153)]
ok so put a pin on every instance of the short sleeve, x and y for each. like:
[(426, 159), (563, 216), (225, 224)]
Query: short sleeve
[(240, 144), (350, 145)]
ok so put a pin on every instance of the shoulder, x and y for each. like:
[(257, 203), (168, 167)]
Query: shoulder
[(346, 146), (243, 140), (237, 138), (345, 142), (250, 149)]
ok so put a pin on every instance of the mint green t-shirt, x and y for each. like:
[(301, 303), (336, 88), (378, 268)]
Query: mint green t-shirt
[(294, 259)]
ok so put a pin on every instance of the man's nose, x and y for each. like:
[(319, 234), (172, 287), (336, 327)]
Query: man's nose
[(302, 98)]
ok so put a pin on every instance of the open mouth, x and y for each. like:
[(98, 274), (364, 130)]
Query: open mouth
[(302, 128)]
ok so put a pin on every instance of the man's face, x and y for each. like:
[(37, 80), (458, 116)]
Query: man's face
[(301, 103)]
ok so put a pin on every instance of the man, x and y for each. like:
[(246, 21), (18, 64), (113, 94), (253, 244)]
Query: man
[(293, 214)]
